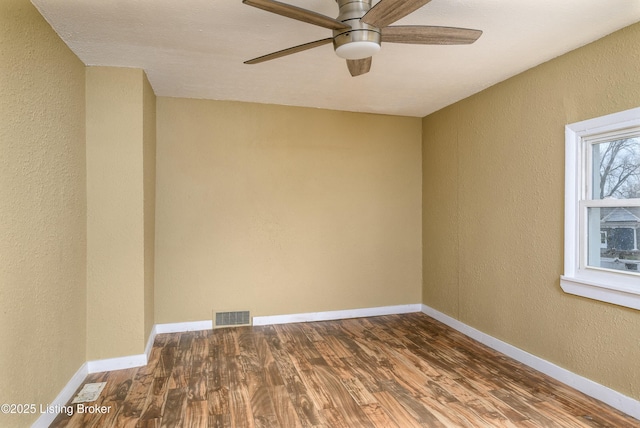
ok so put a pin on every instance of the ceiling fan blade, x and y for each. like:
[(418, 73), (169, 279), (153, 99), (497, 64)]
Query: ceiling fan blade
[(389, 11), (297, 13), (289, 51), (429, 35), (359, 66)]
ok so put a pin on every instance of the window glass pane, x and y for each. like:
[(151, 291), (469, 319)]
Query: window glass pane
[(616, 169), (613, 237)]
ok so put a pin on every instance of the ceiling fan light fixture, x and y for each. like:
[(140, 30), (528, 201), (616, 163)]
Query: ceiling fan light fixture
[(358, 49), (359, 29)]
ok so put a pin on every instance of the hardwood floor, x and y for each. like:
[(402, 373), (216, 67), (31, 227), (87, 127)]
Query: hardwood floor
[(389, 371)]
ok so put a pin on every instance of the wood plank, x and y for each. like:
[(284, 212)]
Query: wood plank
[(197, 413), (378, 415), (267, 362), (174, 411), (239, 400), (134, 403), (283, 407), (166, 362), (152, 408), (218, 400), (342, 400), (396, 411), (180, 374), (418, 411)]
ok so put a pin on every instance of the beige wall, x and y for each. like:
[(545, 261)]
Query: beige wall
[(119, 208), (149, 207), (42, 211), (493, 186), (283, 210)]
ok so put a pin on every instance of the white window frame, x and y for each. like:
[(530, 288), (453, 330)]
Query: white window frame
[(610, 286)]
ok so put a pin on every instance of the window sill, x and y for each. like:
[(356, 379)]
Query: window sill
[(621, 295)]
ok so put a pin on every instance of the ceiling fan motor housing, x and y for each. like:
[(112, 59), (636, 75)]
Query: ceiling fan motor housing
[(361, 40)]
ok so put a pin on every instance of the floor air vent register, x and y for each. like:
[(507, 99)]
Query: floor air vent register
[(231, 319)]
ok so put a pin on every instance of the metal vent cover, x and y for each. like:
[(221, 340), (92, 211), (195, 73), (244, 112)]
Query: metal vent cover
[(231, 319)]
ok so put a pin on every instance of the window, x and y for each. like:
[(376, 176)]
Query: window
[(602, 209)]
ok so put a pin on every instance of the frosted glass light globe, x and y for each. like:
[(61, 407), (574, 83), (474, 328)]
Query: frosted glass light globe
[(357, 50)]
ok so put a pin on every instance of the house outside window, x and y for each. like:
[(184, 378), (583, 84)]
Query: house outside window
[(602, 209)]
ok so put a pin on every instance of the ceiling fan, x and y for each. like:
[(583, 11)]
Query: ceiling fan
[(359, 29)]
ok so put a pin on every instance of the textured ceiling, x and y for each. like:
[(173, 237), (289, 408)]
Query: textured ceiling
[(196, 48)]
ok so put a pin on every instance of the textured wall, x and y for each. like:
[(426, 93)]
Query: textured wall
[(149, 191), (493, 168), (42, 211), (284, 210), (117, 289)]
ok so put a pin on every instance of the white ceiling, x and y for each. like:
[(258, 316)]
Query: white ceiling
[(196, 48)]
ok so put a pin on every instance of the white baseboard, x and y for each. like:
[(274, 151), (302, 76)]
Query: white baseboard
[(593, 389), (119, 363), (336, 315), (179, 327), (63, 397)]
